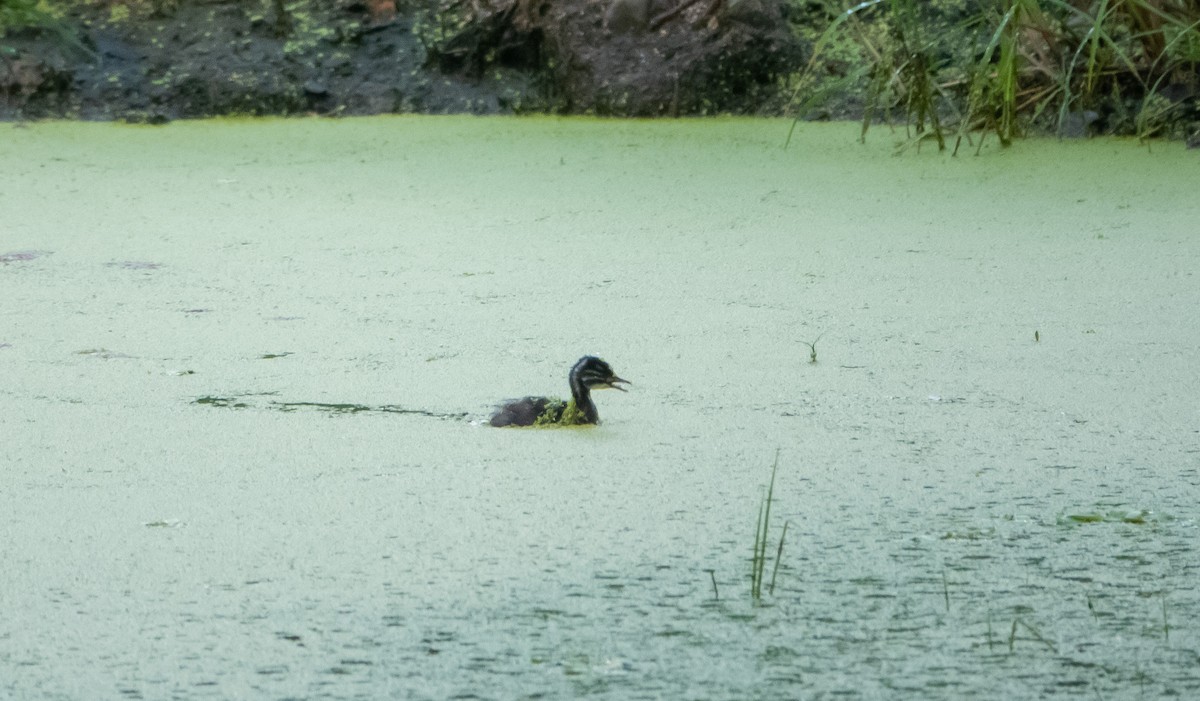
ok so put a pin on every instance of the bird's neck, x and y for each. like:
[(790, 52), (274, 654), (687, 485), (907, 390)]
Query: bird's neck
[(583, 400)]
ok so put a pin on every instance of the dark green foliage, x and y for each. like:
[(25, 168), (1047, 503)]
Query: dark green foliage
[(16, 15), (37, 16), (1063, 66)]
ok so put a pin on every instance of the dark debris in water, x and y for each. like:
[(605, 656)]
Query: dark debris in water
[(223, 402), (134, 265), (240, 402), (332, 408), (970, 534), (20, 256), (102, 353)]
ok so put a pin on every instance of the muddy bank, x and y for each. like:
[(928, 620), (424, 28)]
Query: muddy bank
[(155, 61), (927, 66)]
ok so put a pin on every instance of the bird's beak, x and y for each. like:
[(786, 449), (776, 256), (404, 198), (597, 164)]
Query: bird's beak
[(612, 383)]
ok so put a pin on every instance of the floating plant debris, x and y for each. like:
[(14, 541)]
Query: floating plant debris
[(134, 265), (272, 356), (224, 402), (240, 402), (356, 408), (1136, 517), (334, 408), (16, 256), (102, 353)]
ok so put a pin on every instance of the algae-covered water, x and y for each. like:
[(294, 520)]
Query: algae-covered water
[(246, 367)]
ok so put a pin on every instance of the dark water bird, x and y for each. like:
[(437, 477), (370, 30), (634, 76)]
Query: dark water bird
[(586, 375)]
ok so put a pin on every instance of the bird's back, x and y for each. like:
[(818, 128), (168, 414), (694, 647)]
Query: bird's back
[(521, 412)]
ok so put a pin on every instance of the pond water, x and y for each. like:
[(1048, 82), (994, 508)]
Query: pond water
[(247, 364)]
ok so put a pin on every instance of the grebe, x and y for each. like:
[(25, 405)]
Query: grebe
[(586, 375)]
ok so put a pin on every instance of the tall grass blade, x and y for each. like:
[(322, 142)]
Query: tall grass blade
[(826, 36), (761, 532), (1012, 636), (979, 88), (779, 556), (1166, 627), (756, 563)]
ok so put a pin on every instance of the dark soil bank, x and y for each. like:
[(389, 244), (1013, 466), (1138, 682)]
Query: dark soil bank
[(155, 60)]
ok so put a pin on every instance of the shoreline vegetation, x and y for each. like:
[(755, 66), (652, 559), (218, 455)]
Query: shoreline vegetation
[(952, 72)]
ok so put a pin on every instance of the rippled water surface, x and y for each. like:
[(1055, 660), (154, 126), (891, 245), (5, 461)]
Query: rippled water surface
[(245, 366)]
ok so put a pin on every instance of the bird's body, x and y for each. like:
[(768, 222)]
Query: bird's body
[(587, 374)]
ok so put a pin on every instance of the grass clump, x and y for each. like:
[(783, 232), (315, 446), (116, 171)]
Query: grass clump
[(758, 562), (38, 16), (954, 68)]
